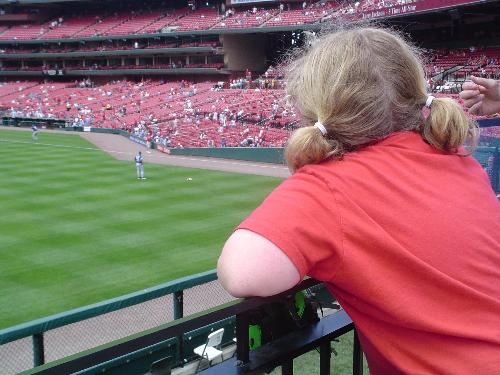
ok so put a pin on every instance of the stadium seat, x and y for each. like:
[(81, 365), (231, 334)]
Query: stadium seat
[(210, 350)]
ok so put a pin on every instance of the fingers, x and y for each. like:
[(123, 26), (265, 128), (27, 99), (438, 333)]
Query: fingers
[(485, 82), (469, 103), (477, 109), (469, 93), (469, 86)]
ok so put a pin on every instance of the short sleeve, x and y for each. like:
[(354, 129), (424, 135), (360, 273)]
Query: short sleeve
[(300, 217)]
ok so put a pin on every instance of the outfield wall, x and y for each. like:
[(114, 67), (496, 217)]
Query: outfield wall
[(258, 154), (50, 123)]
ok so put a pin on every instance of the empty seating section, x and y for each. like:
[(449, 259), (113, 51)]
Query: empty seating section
[(165, 20), (70, 27), (135, 23), (201, 19), (95, 25), (103, 24), (152, 21), (25, 32)]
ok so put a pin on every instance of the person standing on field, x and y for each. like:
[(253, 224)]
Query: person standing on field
[(139, 165), (34, 133)]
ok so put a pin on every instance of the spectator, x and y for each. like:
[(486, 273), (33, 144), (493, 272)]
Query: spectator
[(381, 207)]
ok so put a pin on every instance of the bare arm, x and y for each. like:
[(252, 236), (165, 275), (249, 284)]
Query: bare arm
[(251, 265)]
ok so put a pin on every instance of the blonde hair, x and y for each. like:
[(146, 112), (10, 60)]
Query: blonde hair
[(363, 84)]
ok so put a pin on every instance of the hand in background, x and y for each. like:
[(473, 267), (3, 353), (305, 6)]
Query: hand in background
[(481, 96)]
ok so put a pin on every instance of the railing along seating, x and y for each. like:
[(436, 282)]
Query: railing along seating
[(123, 354)]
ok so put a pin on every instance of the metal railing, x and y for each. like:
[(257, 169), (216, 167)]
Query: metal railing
[(32, 344), (279, 352)]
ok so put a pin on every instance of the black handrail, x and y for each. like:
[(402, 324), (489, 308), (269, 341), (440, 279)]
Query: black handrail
[(282, 351)]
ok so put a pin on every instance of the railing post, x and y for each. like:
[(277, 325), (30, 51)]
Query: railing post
[(325, 354), (242, 344), (178, 304), (179, 313), (357, 356), (287, 368), (38, 350)]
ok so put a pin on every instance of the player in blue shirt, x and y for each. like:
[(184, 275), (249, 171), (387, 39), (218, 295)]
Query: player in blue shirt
[(139, 166), (34, 133)]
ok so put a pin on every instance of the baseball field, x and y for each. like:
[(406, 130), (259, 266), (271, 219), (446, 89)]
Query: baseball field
[(77, 227)]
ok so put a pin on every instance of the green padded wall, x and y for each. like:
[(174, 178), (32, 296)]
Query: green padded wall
[(266, 155)]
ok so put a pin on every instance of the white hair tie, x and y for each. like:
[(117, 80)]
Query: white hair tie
[(321, 128), (429, 100)]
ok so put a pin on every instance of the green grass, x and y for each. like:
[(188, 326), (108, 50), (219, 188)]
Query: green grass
[(77, 227), (340, 363)]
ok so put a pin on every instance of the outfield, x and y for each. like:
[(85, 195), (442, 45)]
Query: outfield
[(77, 227)]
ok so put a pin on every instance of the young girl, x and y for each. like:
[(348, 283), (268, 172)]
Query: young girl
[(385, 207)]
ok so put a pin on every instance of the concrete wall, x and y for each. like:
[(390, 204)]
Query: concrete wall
[(244, 51)]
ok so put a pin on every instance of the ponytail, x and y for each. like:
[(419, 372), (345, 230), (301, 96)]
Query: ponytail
[(447, 127), (307, 145)]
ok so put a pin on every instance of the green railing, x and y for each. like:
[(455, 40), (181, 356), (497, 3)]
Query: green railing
[(136, 354), (38, 329), (202, 289)]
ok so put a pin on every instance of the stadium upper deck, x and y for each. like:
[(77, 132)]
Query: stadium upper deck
[(198, 39), (160, 39), (167, 20)]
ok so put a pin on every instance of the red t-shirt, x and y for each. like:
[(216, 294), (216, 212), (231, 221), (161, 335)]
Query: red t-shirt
[(407, 238)]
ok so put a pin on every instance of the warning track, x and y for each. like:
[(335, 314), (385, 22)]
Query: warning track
[(121, 148)]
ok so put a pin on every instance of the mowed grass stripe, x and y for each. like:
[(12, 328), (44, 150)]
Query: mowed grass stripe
[(77, 227)]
